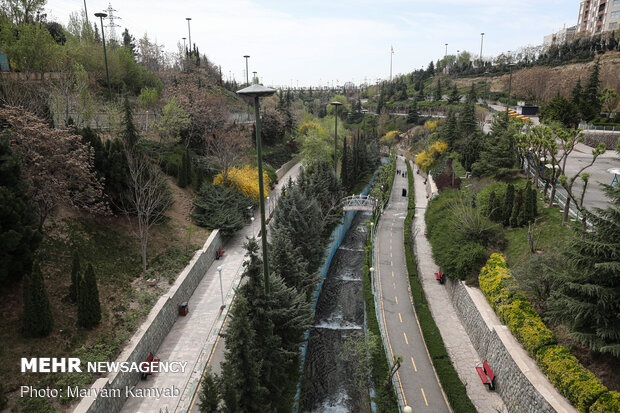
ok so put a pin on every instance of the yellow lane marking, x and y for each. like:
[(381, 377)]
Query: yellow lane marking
[(396, 298), (392, 273), (406, 341), (414, 367), (424, 395), (400, 317), (390, 254)]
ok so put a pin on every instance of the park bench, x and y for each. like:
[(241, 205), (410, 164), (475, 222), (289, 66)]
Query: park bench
[(150, 362), (219, 253), (486, 375), (439, 276)]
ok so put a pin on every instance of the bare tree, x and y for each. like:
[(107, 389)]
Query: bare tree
[(148, 197), (58, 166), (225, 149)]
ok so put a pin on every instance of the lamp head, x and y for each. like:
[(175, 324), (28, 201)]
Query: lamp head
[(101, 15), (256, 91)]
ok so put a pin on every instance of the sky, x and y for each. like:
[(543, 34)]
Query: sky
[(317, 42)]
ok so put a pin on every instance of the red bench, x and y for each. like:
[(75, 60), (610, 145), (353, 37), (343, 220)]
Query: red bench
[(440, 277), (486, 375), (150, 362)]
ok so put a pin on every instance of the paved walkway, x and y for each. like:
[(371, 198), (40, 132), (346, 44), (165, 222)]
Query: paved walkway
[(462, 352), (417, 383), (192, 338)]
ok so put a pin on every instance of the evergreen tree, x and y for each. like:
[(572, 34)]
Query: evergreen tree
[(495, 209), (591, 105), (471, 151), (588, 299), (116, 173), (528, 205), (516, 210), (438, 93), (241, 389), (287, 262), (498, 156), (75, 276), (19, 219), (37, 319), (576, 95), (454, 97), (534, 199), (508, 204), (467, 119), (89, 308), (129, 134), (300, 216), (129, 42), (413, 116), (210, 394), (448, 129)]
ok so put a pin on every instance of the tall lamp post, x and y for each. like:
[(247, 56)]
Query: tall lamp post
[(247, 74), (105, 55), (481, 42), (184, 46), (255, 79), (336, 104), (189, 32), (256, 92)]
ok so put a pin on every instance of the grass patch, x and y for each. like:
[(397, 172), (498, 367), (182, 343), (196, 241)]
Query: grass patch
[(452, 385)]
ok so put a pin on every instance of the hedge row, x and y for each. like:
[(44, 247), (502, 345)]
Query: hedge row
[(497, 284), (450, 382), (564, 371)]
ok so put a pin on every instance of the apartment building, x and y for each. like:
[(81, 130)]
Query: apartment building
[(567, 34), (598, 16)]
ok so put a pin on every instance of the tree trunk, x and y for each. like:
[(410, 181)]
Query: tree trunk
[(552, 197), (566, 211)]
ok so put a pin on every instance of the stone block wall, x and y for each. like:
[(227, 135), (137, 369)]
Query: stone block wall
[(287, 166), (152, 332), (512, 384)]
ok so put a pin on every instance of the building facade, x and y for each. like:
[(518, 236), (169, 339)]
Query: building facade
[(567, 34), (598, 16)]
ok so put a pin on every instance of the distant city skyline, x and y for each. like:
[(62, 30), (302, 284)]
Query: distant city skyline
[(293, 43)]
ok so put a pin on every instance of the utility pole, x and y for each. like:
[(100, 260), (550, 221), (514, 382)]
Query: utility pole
[(111, 18)]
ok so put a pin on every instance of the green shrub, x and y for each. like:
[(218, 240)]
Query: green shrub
[(606, 403), (573, 380), (220, 207)]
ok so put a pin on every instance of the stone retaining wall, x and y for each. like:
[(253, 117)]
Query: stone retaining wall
[(152, 332), (287, 166), (491, 342)]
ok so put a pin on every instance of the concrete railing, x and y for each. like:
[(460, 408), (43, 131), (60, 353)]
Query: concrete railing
[(107, 394)]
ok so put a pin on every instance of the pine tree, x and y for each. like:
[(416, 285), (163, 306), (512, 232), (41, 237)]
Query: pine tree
[(241, 390), (37, 319), (591, 105), (588, 299), (455, 97), (19, 219), (210, 394), (508, 204), (75, 276), (498, 156), (89, 308), (129, 134), (438, 94), (288, 263), (448, 129), (413, 116), (516, 210), (467, 119), (528, 205)]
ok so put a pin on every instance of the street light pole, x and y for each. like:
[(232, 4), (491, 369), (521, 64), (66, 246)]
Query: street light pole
[(247, 74), (189, 32), (105, 55), (445, 59), (184, 46), (256, 92), (336, 104), (481, 42), (254, 80), (219, 270)]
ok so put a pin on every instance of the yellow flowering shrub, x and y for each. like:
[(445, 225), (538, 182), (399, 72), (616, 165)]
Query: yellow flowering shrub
[(427, 158), (307, 126), (244, 180), (430, 126)]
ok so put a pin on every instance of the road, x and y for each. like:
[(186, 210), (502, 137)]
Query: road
[(416, 377)]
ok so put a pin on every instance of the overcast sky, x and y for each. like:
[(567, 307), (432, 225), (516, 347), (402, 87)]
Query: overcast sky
[(314, 41)]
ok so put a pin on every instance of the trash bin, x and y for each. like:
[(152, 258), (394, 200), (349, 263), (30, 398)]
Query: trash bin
[(183, 309), (404, 192)]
